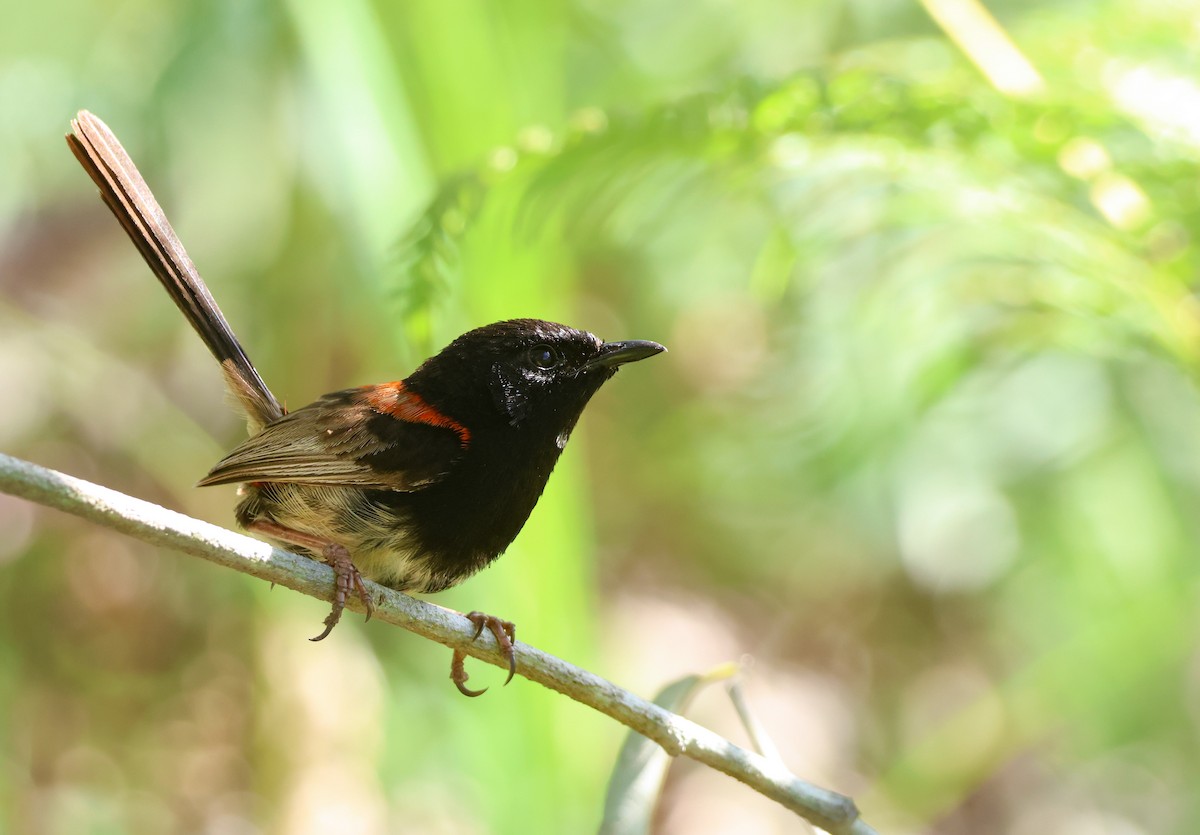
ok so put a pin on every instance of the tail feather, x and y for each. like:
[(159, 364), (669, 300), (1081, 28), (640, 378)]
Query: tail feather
[(133, 204)]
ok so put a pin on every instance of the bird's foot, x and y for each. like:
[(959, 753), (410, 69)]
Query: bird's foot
[(505, 634), (347, 581)]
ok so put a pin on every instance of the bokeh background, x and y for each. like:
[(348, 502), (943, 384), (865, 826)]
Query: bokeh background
[(924, 454)]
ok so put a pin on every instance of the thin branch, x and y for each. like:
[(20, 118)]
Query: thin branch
[(150, 523)]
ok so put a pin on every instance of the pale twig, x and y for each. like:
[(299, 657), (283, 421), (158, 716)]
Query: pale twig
[(150, 523)]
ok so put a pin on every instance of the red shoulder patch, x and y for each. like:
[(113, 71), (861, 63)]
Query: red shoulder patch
[(395, 400)]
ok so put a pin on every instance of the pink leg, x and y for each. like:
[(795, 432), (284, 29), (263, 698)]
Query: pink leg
[(347, 580)]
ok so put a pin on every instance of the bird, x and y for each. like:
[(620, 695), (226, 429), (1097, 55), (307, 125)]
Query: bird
[(416, 483)]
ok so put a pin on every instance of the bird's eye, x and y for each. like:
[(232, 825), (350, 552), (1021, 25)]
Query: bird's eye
[(543, 356)]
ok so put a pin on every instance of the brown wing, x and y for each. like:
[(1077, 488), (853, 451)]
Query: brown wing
[(382, 437)]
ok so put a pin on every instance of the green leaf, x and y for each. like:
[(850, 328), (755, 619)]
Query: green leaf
[(642, 765)]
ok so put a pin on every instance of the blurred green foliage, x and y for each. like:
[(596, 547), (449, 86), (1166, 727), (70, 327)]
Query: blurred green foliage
[(926, 446)]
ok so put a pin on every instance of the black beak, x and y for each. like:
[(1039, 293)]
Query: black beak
[(613, 354)]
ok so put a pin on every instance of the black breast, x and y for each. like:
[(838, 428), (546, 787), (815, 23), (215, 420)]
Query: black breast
[(465, 520)]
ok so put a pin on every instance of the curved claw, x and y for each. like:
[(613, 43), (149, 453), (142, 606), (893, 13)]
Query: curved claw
[(360, 589), (512, 665), (468, 692), (330, 622), (458, 675)]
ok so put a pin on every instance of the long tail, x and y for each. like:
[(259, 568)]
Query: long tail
[(130, 199)]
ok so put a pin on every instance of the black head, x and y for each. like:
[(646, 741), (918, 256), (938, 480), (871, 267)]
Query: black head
[(526, 374)]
